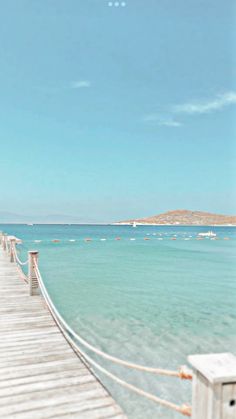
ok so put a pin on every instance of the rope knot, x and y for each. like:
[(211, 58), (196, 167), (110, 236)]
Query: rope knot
[(186, 410), (185, 373)]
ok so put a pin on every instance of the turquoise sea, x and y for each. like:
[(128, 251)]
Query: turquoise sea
[(152, 301)]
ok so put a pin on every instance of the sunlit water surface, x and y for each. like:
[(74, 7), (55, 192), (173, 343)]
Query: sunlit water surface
[(152, 301)]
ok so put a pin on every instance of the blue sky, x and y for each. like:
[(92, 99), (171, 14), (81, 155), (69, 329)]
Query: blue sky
[(111, 110)]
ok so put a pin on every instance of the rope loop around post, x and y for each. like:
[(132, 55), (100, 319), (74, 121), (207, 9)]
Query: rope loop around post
[(186, 410), (185, 373)]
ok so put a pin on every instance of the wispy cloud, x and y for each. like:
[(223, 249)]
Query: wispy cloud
[(79, 84), (170, 123), (220, 102), (165, 122)]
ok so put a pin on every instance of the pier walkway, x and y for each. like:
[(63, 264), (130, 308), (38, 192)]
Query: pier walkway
[(41, 376)]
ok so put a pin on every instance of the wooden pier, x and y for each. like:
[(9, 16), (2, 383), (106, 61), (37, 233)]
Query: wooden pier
[(41, 376)]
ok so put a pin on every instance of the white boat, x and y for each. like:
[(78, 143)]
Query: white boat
[(134, 224), (207, 234)]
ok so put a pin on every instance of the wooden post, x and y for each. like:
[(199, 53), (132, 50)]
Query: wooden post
[(2, 238), (7, 244), (214, 386), (4, 243), (12, 245), (33, 281)]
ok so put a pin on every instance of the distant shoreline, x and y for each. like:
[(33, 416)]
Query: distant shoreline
[(123, 224), (177, 225)]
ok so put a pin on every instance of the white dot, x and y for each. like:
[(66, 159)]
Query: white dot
[(117, 4), (110, 3), (123, 4)]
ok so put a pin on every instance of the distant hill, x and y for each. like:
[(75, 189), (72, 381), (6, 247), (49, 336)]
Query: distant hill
[(185, 217)]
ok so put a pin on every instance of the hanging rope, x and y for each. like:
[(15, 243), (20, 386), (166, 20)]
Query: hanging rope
[(68, 332), (183, 409), (19, 261), (182, 373), (16, 258), (22, 274)]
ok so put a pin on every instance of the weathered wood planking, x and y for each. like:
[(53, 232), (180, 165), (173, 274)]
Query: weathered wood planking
[(214, 386), (40, 375)]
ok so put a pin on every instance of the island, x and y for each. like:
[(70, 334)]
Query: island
[(184, 217)]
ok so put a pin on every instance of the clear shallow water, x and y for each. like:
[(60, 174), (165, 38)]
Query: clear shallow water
[(148, 301)]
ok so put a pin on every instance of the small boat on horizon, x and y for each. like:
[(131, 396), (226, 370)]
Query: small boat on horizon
[(134, 224), (207, 234)]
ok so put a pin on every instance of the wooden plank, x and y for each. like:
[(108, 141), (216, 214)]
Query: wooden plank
[(21, 355), (214, 388), (19, 372), (36, 358), (229, 401), (217, 368), (40, 374), (95, 408), (38, 340), (63, 382), (74, 409), (37, 378), (37, 399), (34, 347)]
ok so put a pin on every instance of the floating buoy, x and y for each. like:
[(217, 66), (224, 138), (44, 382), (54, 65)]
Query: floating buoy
[(146, 238), (173, 238), (88, 239), (226, 238), (71, 240), (103, 240), (37, 241), (55, 241), (132, 239), (117, 238)]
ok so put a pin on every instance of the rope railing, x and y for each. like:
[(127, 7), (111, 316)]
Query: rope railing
[(16, 259), (22, 274), (216, 371), (69, 333), (182, 373), (73, 338)]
